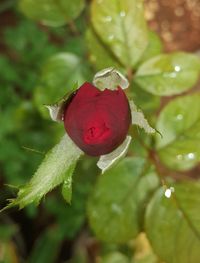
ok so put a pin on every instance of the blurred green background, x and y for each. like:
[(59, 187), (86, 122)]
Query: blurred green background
[(43, 53)]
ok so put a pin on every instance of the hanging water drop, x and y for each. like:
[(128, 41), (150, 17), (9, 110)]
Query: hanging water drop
[(122, 13), (191, 156), (177, 68)]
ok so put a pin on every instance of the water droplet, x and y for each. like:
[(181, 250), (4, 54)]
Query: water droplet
[(168, 193), (110, 37), (177, 68), (68, 182), (107, 19), (179, 117), (191, 156), (122, 13)]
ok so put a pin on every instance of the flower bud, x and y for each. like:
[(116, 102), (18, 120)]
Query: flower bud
[(97, 121)]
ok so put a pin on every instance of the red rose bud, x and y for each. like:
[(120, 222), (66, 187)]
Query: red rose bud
[(97, 121)]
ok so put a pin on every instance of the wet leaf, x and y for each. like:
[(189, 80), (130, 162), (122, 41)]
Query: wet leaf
[(100, 56), (121, 26), (147, 102), (154, 47), (117, 201), (67, 185), (50, 12), (179, 123), (172, 224), (168, 74), (55, 168)]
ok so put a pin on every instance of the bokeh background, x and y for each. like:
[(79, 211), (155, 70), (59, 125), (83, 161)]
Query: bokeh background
[(55, 231)]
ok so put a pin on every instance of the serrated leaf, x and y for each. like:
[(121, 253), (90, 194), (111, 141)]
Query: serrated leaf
[(110, 78), (117, 201), (50, 12), (71, 218), (168, 74), (121, 26), (99, 55), (179, 123), (139, 119), (59, 75), (108, 160), (55, 168), (172, 225)]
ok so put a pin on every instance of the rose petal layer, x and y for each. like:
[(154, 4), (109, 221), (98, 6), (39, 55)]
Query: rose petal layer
[(97, 121)]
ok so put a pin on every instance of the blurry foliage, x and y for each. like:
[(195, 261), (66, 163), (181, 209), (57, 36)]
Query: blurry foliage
[(123, 216)]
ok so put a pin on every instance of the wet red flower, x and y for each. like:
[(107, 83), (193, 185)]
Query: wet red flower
[(97, 121)]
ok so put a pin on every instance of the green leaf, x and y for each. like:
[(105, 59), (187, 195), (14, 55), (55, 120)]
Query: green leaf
[(50, 12), (117, 201), (67, 185), (59, 74), (179, 123), (99, 55), (154, 47), (168, 74), (50, 240), (71, 218), (146, 102), (54, 170), (121, 26), (172, 225), (114, 257)]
